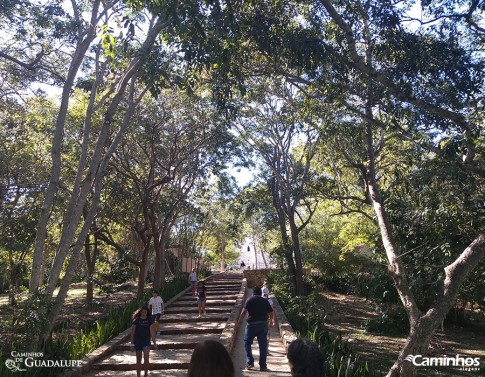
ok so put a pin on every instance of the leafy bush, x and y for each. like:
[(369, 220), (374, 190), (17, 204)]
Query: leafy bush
[(30, 320), (65, 346), (392, 321), (173, 286), (376, 285), (307, 319), (204, 271)]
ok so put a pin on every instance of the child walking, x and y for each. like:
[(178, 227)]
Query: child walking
[(141, 332), (201, 297)]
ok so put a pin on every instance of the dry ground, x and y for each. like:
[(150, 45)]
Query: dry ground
[(75, 311), (345, 314)]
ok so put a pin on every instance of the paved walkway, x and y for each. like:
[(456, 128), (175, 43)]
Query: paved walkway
[(181, 330), (277, 362)]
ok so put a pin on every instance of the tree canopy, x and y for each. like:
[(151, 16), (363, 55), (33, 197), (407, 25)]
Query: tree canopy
[(363, 119)]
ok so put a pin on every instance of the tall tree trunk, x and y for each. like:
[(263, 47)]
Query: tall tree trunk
[(13, 283), (157, 277), (257, 244), (300, 291), (422, 326), (155, 230), (255, 257), (145, 239), (91, 259), (163, 256), (280, 214), (223, 254), (142, 274), (96, 176), (36, 278)]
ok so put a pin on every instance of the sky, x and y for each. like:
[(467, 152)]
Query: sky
[(242, 175)]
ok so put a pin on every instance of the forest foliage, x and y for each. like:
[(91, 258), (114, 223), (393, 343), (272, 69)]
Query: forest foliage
[(361, 120)]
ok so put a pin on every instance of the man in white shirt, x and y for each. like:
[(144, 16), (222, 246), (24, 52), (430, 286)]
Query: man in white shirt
[(155, 304)]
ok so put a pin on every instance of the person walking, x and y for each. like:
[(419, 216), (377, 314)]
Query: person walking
[(258, 311), (141, 332), (193, 280), (155, 304), (201, 297)]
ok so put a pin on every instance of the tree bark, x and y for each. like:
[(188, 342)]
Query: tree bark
[(422, 326), (143, 271), (91, 259), (36, 278), (13, 281), (287, 248), (295, 237), (94, 177), (223, 254)]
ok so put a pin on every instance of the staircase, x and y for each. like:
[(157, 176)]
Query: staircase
[(180, 330)]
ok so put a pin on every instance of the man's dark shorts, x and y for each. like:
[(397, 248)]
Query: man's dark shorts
[(156, 317)]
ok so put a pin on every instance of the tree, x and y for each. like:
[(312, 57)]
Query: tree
[(382, 105), (222, 221), (23, 158), (172, 145), (385, 78), (260, 218), (105, 99), (274, 125)]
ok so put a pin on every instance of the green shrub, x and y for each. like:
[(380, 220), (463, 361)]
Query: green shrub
[(307, 319), (376, 285), (204, 272), (392, 321), (64, 346)]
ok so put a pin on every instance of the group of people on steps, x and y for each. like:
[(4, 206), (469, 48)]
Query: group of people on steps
[(210, 358)]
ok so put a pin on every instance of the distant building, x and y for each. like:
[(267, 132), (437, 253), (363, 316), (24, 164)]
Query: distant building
[(178, 259), (185, 258)]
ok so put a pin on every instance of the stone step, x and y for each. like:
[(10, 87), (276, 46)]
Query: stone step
[(209, 302), (179, 332), (176, 341), (221, 288), (214, 295), (227, 277), (122, 373), (271, 373), (188, 310), (225, 282), (159, 359), (191, 326), (194, 330), (182, 317)]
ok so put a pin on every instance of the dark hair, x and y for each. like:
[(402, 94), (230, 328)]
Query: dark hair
[(155, 291), (210, 359), (257, 291), (137, 312), (305, 359)]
